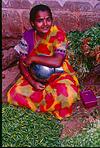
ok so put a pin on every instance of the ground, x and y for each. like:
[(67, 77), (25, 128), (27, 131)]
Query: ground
[(80, 119)]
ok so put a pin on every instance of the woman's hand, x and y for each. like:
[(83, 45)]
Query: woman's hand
[(38, 86), (28, 61)]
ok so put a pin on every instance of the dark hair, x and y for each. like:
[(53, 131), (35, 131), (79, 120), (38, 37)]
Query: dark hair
[(37, 8)]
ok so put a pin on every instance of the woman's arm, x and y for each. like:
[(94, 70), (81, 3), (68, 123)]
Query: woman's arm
[(28, 77), (50, 61)]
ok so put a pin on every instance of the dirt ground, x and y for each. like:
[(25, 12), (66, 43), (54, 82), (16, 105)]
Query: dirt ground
[(80, 118)]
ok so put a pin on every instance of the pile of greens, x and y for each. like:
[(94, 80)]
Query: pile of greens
[(83, 64)]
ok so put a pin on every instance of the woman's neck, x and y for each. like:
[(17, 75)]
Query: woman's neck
[(39, 34)]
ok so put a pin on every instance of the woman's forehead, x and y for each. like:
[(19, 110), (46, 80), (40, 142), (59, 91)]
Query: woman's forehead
[(41, 14)]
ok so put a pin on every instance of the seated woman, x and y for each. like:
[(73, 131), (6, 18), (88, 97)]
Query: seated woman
[(45, 44)]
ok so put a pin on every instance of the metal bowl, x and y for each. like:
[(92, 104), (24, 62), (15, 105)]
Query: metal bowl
[(40, 71)]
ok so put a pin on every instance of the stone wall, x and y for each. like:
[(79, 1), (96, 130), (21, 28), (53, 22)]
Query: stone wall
[(69, 14)]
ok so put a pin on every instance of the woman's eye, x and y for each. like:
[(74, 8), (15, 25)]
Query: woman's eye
[(40, 20), (48, 19)]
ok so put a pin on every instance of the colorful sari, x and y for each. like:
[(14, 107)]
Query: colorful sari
[(62, 89)]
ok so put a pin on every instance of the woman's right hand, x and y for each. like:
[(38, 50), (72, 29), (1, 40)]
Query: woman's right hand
[(38, 85)]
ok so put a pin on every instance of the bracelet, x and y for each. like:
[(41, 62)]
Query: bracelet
[(27, 74), (25, 64)]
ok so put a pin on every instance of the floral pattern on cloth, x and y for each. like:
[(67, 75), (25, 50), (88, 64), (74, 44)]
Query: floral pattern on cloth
[(62, 89)]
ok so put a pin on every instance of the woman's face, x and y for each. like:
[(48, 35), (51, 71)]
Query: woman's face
[(42, 22)]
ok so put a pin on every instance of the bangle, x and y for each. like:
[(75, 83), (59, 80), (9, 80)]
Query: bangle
[(25, 64), (27, 74)]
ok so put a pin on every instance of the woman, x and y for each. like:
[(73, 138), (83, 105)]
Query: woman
[(45, 44)]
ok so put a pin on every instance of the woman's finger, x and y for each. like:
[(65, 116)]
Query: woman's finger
[(42, 86)]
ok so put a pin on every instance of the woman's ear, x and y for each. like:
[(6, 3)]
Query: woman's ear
[(32, 24)]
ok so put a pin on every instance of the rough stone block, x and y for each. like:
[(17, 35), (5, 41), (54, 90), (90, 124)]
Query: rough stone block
[(67, 21), (11, 3), (9, 57), (11, 23), (88, 20), (25, 20), (17, 4), (9, 76), (54, 5), (77, 6), (97, 8), (25, 4), (9, 42)]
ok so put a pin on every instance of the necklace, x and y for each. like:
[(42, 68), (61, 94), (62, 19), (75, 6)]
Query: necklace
[(37, 38)]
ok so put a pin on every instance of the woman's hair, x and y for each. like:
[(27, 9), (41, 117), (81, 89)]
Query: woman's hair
[(38, 8)]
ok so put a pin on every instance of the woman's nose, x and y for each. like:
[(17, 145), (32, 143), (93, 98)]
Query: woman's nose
[(45, 22)]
